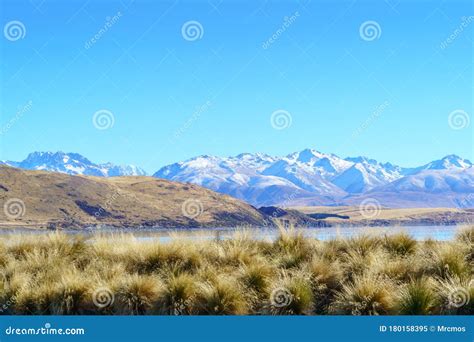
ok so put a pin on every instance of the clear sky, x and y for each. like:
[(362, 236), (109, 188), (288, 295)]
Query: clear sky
[(387, 96)]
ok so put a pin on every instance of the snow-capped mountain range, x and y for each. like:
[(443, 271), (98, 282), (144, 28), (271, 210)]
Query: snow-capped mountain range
[(73, 164), (308, 177)]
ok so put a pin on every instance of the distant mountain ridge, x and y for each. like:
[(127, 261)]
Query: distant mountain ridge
[(73, 164), (308, 177), (311, 177)]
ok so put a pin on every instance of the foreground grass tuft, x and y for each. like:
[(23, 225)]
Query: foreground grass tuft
[(58, 274), (365, 295), (418, 298)]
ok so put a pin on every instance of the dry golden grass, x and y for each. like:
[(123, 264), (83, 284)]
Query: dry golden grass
[(393, 215), (61, 200), (293, 275)]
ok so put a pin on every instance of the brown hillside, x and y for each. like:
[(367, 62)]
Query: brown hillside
[(50, 199)]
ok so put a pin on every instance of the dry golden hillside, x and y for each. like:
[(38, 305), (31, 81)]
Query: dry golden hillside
[(347, 215), (47, 199)]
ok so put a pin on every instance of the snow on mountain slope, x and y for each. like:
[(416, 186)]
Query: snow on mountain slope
[(366, 174), (236, 176), (328, 174), (74, 164), (205, 171), (303, 176), (434, 181), (326, 165), (449, 162), (428, 188), (308, 173), (313, 177), (309, 176), (113, 170)]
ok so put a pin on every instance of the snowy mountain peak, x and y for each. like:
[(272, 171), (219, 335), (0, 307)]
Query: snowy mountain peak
[(308, 155), (308, 177), (362, 160), (74, 164), (325, 163), (451, 161), (54, 157), (257, 155)]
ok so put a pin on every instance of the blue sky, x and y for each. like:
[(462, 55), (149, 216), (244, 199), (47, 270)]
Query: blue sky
[(173, 98)]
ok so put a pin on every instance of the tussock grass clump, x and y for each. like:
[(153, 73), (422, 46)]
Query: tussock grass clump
[(69, 296), (466, 236), (293, 275), (326, 272), (257, 276), (365, 295), (292, 247), (223, 296), (177, 295), (398, 269), (292, 296), (136, 294), (447, 260), (356, 263), (399, 244), (363, 244), (456, 296), (326, 280), (417, 298)]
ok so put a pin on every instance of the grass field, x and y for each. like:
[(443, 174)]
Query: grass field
[(294, 275), (357, 215)]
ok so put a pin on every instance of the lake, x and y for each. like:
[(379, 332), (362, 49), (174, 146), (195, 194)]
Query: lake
[(440, 233)]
